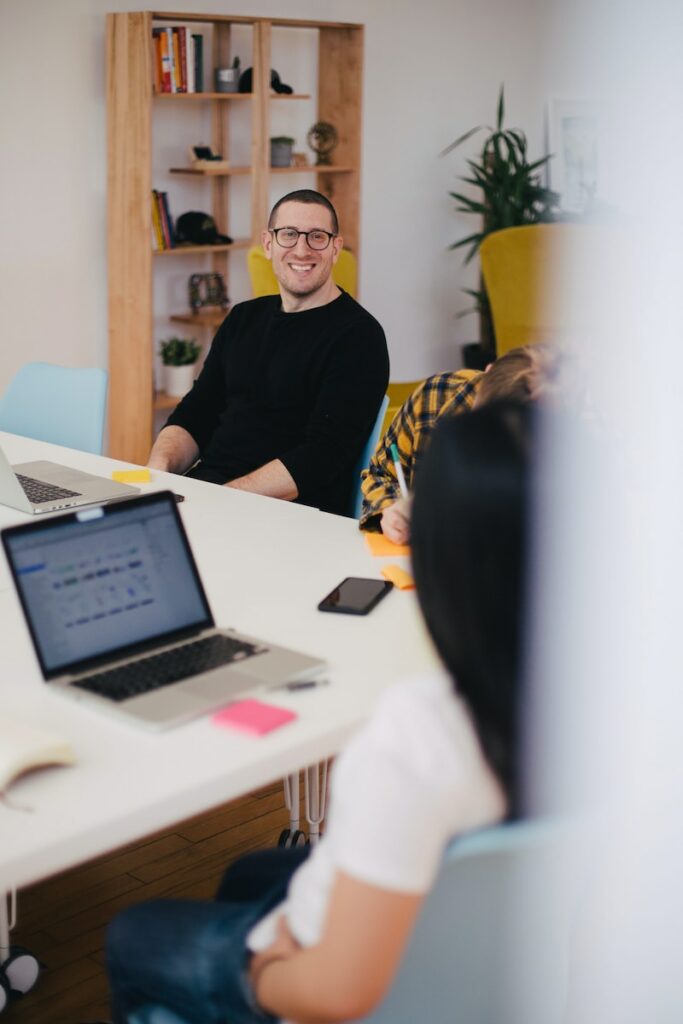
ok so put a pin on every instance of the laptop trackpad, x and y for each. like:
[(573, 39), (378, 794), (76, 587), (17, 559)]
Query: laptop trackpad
[(220, 685)]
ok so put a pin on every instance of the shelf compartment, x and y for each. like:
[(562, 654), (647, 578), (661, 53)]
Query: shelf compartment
[(191, 250), (185, 96), (209, 173), (205, 318), (313, 169)]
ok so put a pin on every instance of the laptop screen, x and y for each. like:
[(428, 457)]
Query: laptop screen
[(106, 580)]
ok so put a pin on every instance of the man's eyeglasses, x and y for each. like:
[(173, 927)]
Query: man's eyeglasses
[(315, 239)]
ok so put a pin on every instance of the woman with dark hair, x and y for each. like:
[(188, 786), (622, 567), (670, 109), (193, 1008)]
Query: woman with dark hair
[(321, 940)]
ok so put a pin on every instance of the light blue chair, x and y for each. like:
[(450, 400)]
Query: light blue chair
[(61, 404), (366, 455), (491, 943)]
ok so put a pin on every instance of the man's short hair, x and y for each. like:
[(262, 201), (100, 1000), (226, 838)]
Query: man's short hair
[(306, 195), (521, 375)]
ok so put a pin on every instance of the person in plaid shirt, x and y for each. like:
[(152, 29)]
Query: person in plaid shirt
[(518, 375)]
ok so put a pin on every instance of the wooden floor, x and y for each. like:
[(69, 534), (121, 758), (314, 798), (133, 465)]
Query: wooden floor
[(62, 921)]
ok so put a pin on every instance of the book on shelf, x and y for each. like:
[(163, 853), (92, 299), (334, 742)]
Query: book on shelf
[(198, 41), (166, 222), (156, 43), (163, 72), (163, 236), (178, 55), (156, 223), (177, 71)]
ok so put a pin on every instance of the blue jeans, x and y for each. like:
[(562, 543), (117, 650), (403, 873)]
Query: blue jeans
[(191, 957)]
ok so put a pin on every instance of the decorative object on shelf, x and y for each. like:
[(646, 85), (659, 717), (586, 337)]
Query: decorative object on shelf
[(511, 195), (207, 290), (300, 160), (281, 151), (246, 83), (179, 357), (203, 158), (322, 138), (227, 79), (195, 228)]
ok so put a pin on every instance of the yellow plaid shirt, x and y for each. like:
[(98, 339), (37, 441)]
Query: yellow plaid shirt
[(441, 395)]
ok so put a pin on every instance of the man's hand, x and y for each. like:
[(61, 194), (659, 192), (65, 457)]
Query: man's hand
[(395, 522)]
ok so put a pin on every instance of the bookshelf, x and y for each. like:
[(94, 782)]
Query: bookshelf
[(134, 109)]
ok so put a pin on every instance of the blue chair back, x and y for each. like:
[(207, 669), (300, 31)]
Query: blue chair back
[(366, 455), (491, 942), (61, 404)]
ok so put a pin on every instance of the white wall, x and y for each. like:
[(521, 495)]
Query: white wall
[(431, 72)]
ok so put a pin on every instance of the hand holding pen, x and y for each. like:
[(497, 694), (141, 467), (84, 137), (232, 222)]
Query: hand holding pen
[(396, 518)]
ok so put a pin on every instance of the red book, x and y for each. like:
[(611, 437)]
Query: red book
[(182, 40), (156, 41)]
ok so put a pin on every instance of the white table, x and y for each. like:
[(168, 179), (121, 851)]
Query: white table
[(265, 564)]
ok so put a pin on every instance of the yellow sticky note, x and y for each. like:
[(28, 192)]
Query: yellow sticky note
[(399, 577), (381, 547), (132, 476)]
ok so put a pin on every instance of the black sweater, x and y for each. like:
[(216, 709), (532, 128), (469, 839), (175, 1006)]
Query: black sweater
[(300, 387)]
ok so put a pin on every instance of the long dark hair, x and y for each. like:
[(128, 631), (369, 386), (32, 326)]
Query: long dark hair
[(469, 530)]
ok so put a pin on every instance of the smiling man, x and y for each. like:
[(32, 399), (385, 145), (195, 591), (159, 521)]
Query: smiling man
[(292, 384)]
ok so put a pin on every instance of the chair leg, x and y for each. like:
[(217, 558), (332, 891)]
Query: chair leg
[(292, 836), (315, 799)]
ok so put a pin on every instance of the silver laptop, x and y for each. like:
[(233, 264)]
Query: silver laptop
[(37, 487), (119, 618)]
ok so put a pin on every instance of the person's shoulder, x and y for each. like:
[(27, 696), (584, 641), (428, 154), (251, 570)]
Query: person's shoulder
[(350, 310), (452, 381), (423, 715)]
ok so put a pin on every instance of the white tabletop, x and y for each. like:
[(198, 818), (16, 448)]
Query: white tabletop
[(265, 565)]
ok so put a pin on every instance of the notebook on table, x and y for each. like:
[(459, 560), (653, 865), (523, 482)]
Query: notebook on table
[(118, 615), (37, 487)]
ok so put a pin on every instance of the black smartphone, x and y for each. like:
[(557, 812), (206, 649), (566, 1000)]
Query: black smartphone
[(355, 596)]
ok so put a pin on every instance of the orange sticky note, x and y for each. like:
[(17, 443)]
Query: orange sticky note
[(399, 577), (381, 547), (253, 716), (132, 476)]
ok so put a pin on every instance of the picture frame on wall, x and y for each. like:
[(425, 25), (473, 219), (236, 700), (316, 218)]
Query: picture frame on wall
[(573, 139)]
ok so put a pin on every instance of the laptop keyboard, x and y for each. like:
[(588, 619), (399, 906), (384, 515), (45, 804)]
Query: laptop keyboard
[(37, 491), (168, 667)]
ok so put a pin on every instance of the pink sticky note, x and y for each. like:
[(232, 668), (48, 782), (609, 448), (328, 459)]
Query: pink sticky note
[(253, 716)]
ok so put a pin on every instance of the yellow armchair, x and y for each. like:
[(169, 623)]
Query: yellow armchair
[(519, 267), (263, 282)]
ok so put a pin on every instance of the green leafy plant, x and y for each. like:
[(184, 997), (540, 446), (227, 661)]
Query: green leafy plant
[(511, 194), (179, 351)]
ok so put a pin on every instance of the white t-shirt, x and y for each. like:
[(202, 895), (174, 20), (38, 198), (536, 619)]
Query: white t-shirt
[(412, 778)]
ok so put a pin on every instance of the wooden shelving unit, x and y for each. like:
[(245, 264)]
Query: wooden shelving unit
[(131, 105)]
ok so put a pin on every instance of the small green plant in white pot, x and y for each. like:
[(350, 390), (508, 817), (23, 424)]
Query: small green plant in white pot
[(179, 358)]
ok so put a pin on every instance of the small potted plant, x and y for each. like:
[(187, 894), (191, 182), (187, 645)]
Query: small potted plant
[(281, 151), (179, 357)]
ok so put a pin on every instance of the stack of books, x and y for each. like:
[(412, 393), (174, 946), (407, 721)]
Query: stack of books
[(178, 60), (162, 225)]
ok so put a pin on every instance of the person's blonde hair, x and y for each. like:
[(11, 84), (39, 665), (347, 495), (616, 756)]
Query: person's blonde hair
[(521, 375)]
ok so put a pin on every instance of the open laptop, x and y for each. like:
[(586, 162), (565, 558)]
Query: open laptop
[(118, 615), (37, 487)]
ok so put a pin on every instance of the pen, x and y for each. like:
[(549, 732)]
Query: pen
[(301, 684), (399, 471)]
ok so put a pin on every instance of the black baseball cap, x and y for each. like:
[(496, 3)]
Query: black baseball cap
[(200, 229), (246, 82)]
